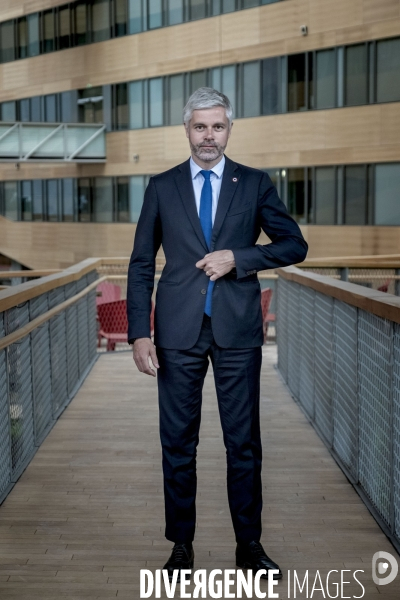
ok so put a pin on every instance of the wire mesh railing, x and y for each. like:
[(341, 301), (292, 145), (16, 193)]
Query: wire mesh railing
[(48, 336), (339, 353)]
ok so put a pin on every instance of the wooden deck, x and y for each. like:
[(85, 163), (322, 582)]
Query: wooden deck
[(88, 512)]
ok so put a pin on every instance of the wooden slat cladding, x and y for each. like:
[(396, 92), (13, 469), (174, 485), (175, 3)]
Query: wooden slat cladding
[(243, 35), (11, 9)]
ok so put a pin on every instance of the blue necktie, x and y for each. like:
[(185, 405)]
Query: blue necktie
[(206, 225)]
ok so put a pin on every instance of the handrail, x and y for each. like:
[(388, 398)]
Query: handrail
[(28, 273), (382, 261), (378, 303), (26, 329)]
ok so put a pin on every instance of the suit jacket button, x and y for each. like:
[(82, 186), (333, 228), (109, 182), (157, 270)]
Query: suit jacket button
[(204, 291)]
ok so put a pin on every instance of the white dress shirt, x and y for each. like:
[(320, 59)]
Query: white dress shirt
[(216, 180)]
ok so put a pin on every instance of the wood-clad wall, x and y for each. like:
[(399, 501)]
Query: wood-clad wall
[(365, 134), (11, 9), (240, 36)]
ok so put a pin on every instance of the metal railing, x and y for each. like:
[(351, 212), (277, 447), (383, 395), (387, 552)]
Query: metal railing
[(48, 336), (339, 353)]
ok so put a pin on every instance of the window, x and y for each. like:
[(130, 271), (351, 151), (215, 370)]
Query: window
[(297, 195), (197, 9), (251, 89), (271, 86), (100, 20), (325, 79), (26, 200), (103, 200), (7, 41), (388, 70), (24, 110), (9, 111), (69, 107), (121, 107), (325, 196), (297, 82), (37, 204), (84, 200), (11, 200), (33, 35), (355, 195), (228, 81), (356, 75), (90, 104), (250, 3), (215, 78), (155, 13), (136, 105), (123, 199), (64, 27), (156, 101), (198, 79), (50, 107), (81, 24), (136, 193), (175, 12), (121, 18), (387, 194), (52, 196), (68, 197), (135, 23), (228, 6), (176, 99), (48, 26), (36, 109), (22, 38)]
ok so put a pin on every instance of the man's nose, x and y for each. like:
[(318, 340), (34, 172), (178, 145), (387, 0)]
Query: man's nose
[(209, 134)]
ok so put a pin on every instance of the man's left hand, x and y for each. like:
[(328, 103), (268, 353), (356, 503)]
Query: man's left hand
[(217, 264)]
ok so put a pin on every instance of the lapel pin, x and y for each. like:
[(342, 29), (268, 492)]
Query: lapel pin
[(234, 179)]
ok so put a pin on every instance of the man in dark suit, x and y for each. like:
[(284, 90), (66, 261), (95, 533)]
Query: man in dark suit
[(208, 213)]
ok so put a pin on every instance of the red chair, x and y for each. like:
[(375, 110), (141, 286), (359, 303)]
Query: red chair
[(267, 317), (109, 292), (114, 323)]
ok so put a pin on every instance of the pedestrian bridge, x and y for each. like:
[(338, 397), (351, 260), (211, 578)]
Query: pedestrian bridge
[(80, 460)]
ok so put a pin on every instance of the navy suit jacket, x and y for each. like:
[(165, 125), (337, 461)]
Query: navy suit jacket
[(248, 202)]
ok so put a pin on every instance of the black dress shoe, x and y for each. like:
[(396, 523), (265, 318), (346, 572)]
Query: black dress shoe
[(252, 556), (182, 557)]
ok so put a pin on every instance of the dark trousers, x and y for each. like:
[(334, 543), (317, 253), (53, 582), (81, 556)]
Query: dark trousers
[(237, 381)]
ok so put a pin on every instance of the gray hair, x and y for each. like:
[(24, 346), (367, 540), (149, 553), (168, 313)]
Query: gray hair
[(206, 97)]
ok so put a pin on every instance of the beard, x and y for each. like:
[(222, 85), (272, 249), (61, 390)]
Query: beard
[(207, 153)]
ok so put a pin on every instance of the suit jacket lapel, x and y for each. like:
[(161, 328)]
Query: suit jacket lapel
[(228, 189), (185, 188)]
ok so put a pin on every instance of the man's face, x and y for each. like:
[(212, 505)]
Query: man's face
[(208, 132)]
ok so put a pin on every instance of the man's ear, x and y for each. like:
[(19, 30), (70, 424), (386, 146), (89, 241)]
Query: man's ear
[(186, 126), (230, 130)]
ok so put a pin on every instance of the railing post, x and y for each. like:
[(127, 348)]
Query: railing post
[(397, 283), (344, 273)]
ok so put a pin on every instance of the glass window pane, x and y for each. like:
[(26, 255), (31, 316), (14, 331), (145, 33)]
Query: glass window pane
[(175, 12), (48, 31), (355, 189), (26, 200), (121, 18), (64, 27), (81, 24), (251, 89), (296, 195), (90, 104), (37, 194), (68, 102), (325, 194), (25, 110), (197, 9), (22, 38), (229, 84), (50, 107), (68, 189), (325, 81), (135, 16), (176, 99), (103, 200), (388, 70), (387, 194), (100, 20), (356, 78), (33, 35), (11, 200), (84, 200), (156, 102), (52, 199), (228, 6), (7, 41), (272, 86), (155, 13), (136, 105), (9, 111), (250, 3), (215, 9), (36, 109), (198, 79), (215, 77), (121, 112), (136, 193), (296, 82), (123, 199)]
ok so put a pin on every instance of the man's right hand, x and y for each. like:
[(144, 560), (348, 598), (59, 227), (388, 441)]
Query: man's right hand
[(143, 350)]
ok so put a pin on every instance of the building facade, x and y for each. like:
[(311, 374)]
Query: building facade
[(315, 86)]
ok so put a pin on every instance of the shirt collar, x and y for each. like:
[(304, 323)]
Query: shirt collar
[(218, 169)]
